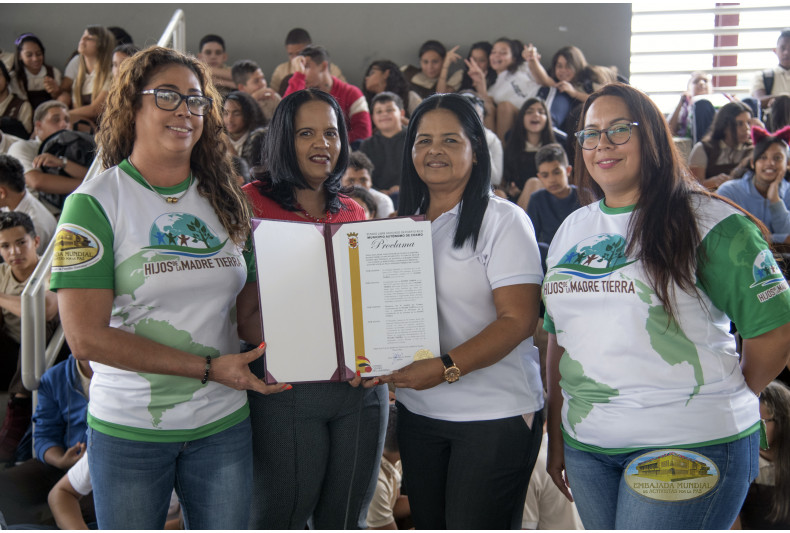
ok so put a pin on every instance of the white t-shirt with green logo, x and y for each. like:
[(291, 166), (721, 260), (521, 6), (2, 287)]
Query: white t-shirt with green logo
[(631, 378), (176, 276)]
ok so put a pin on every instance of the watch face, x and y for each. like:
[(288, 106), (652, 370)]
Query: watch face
[(452, 374)]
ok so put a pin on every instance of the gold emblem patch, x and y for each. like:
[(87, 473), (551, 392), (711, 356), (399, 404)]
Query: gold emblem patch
[(75, 248), (672, 475), (423, 354)]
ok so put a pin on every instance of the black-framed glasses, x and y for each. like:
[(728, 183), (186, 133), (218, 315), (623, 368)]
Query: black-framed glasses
[(617, 134), (169, 100)]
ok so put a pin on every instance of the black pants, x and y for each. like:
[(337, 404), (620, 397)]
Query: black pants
[(467, 475)]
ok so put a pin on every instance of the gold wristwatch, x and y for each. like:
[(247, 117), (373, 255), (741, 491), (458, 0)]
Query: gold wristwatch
[(451, 372)]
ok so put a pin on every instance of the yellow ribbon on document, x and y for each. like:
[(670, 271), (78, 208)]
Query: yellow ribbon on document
[(362, 362)]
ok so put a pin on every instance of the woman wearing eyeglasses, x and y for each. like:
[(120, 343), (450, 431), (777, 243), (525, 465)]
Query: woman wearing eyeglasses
[(154, 290), (652, 418)]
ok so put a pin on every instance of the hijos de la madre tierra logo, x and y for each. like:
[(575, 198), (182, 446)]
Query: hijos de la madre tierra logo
[(767, 273), (183, 234), (595, 257)]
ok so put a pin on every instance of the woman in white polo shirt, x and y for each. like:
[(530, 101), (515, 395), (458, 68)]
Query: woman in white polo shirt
[(469, 421)]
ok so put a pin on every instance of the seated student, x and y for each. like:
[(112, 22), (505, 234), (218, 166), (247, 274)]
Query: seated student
[(121, 52), (764, 190), (248, 77), (244, 124), (212, 53), (66, 499), (14, 197), (775, 81), (312, 70), (385, 147), (50, 117), (723, 147), (384, 75), (11, 105), (767, 504), (296, 41), (60, 441), (6, 140), (546, 507), (493, 142), (431, 76), (779, 117), (358, 173), (531, 130), (550, 206), (389, 506), (33, 78), (18, 242), (90, 74), (365, 200)]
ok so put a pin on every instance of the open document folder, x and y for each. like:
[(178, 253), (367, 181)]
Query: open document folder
[(346, 297)]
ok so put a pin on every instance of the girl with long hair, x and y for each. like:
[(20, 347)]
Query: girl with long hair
[(153, 288), (244, 125), (384, 76), (34, 78), (90, 74), (763, 190), (653, 420), (767, 504), (531, 130), (723, 147)]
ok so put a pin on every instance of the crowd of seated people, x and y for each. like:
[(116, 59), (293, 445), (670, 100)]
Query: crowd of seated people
[(530, 109)]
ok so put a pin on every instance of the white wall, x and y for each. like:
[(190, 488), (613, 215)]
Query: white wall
[(354, 34)]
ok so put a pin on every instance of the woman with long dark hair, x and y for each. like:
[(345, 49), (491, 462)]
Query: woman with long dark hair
[(243, 122), (469, 421), (653, 420), (143, 300), (316, 451), (90, 74), (723, 147)]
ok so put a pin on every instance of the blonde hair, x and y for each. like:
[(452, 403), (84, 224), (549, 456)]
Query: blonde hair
[(210, 160), (105, 44)]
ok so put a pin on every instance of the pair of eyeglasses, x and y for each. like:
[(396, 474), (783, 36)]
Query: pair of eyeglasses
[(617, 134), (169, 100)]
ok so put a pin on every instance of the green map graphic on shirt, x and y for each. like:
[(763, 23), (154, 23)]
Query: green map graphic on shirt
[(169, 391), (668, 339), (584, 391)]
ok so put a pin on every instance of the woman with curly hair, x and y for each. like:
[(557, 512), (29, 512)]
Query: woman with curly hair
[(155, 290)]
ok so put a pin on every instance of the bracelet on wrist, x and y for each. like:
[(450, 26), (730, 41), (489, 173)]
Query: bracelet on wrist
[(208, 369)]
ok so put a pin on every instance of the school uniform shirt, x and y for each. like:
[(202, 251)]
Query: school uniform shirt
[(175, 275), (506, 254), (775, 215), (781, 81), (514, 87), (631, 377)]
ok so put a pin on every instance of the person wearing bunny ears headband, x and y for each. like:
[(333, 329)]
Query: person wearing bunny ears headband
[(764, 189)]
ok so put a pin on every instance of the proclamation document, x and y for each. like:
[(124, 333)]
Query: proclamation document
[(340, 298)]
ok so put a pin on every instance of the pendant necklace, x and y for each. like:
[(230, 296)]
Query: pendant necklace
[(168, 199)]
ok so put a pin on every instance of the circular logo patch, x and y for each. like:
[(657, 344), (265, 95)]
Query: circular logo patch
[(75, 248), (672, 475)]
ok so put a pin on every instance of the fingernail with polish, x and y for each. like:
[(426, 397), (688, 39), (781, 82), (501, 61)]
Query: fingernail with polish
[(358, 374), (261, 346), (287, 387)]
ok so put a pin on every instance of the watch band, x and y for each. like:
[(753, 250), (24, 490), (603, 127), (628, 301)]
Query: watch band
[(447, 361)]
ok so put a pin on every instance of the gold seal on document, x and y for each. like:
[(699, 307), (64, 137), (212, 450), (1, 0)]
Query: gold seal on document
[(423, 354)]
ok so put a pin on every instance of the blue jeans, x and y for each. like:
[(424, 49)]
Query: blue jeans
[(132, 480), (606, 501)]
